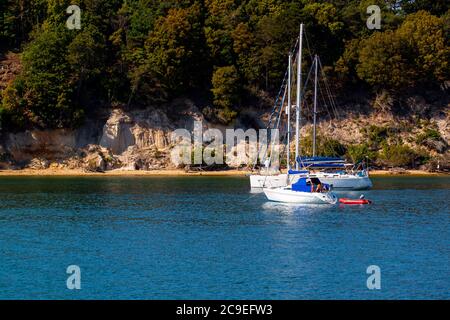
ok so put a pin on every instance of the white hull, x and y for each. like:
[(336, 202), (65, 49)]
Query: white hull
[(345, 181), (272, 181), (289, 196), (275, 181), (338, 181)]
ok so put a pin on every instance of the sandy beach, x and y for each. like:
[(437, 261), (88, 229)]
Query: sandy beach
[(172, 172)]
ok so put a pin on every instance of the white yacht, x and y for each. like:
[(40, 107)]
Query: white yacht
[(332, 171), (303, 191)]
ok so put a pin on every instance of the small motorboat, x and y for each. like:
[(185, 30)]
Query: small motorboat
[(354, 201), (305, 190)]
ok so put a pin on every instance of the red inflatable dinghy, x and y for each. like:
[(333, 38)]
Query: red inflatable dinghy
[(354, 201)]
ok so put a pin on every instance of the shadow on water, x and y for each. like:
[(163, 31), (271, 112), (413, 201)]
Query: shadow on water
[(411, 182)]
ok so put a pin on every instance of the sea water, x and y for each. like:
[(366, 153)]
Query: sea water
[(211, 238)]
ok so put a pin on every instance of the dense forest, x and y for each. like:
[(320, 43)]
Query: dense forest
[(227, 53)]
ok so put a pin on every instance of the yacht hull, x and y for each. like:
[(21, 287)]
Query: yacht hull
[(289, 196), (338, 181)]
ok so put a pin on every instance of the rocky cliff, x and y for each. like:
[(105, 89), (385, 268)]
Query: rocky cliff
[(141, 139), (117, 139)]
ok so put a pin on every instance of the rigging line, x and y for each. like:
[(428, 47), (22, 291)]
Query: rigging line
[(332, 97), (279, 113), (275, 108), (326, 80), (279, 116), (305, 86), (278, 123), (307, 80), (323, 100), (333, 103), (327, 90), (321, 92), (309, 48), (285, 79), (328, 106), (311, 57), (309, 110), (252, 196), (283, 85)]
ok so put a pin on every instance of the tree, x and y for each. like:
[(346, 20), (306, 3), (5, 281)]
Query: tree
[(346, 65), (218, 29), (425, 35), (175, 52), (225, 90), (86, 58), (383, 61), (435, 7), (414, 53), (17, 19), (45, 88)]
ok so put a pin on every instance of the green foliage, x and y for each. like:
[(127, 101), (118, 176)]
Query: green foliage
[(325, 146), (226, 84), (414, 53), (433, 140), (376, 135), (430, 52), (397, 155), (359, 152), (346, 65), (384, 62), (435, 7), (174, 52), (428, 134), (45, 88), (86, 58), (144, 52), (17, 19), (333, 148)]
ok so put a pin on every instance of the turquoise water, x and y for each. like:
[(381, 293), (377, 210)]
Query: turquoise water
[(210, 238)]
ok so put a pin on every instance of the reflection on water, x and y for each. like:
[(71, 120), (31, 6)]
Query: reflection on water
[(291, 208), (211, 238), (256, 190)]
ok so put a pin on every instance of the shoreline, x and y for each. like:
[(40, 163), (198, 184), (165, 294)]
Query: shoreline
[(181, 173)]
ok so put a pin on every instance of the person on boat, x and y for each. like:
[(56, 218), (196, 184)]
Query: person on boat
[(316, 185), (319, 187), (309, 183)]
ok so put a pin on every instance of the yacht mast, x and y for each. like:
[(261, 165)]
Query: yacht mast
[(315, 106), (288, 111), (299, 101)]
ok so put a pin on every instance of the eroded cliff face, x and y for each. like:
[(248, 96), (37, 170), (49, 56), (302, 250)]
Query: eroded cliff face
[(139, 139)]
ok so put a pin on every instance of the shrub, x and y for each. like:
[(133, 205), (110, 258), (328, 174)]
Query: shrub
[(358, 152), (332, 148), (397, 155), (225, 89), (428, 134), (376, 135), (324, 146)]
